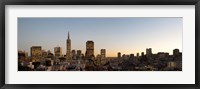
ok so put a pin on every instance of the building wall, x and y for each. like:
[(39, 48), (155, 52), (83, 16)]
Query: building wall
[(58, 51), (103, 53), (36, 52), (119, 55), (68, 51), (148, 51), (89, 49), (176, 52)]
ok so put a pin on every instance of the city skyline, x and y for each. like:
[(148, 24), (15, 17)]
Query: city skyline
[(125, 35)]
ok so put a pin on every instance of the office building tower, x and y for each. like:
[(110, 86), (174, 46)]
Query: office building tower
[(68, 48), (137, 54), (148, 51), (142, 54), (58, 52), (131, 56), (36, 51), (103, 53), (89, 49), (44, 53), (176, 52), (78, 54), (73, 54), (119, 55)]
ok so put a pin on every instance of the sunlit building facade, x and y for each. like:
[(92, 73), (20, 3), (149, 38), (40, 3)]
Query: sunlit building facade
[(36, 52)]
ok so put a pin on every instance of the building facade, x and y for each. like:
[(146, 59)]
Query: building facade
[(176, 52), (58, 52), (78, 54), (148, 51), (138, 54), (131, 56), (89, 49), (73, 54), (68, 48), (21, 55), (119, 55), (44, 54), (103, 53), (36, 52)]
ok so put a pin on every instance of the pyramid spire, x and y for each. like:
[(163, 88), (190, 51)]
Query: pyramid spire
[(68, 35)]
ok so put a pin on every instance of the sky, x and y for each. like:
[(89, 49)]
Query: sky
[(128, 35)]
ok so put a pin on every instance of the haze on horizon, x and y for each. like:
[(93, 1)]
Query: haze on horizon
[(125, 34)]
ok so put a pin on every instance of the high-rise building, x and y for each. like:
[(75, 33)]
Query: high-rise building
[(176, 52), (123, 56), (99, 59), (103, 53), (68, 48), (89, 49), (44, 53), (21, 54), (131, 56), (78, 54), (50, 55), (36, 51), (148, 51), (119, 55), (73, 54), (137, 54), (58, 52), (142, 54)]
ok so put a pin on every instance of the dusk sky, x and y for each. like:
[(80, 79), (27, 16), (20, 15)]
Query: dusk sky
[(125, 34)]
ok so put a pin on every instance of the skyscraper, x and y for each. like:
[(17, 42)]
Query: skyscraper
[(138, 54), (78, 54), (73, 54), (148, 52), (58, 52), (131, 56), (36, 52), (142, 54), (103, 53), (176, 52), (89, 49), (44, 53), (119, 55), (68, 48), (21, 54)]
